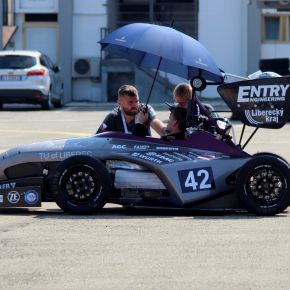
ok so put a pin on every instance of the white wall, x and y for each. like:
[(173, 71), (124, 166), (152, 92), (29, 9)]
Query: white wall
[(275, 50), (17, 37), (222, 30), (89, 16)]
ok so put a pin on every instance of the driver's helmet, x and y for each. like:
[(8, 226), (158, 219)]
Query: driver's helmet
[(263, 75)]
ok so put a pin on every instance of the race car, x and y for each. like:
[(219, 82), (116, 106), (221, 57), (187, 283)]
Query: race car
[(207, 170)]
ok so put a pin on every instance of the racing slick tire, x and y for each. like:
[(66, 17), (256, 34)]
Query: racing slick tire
[(263, 185), (81, 185), (270, 154)]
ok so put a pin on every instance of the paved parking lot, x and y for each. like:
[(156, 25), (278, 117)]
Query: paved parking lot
[(125, 249)]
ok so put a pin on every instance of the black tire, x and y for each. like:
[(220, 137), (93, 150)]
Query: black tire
[(46, 105), (81, 185), (270, 154), (263, 185), (1, 106), (59, 103)]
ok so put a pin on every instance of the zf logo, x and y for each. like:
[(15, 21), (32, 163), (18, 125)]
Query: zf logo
[(196, 179), (13, 197)]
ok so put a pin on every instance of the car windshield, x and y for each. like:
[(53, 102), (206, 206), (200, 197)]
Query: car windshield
[(16, 61)]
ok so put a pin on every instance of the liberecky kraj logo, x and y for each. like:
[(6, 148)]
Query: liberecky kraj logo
[(258, 117), (31, 197), (263, 93)]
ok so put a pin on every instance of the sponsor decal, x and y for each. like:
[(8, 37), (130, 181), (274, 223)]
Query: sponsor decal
[(167, 148), (173, 156), (21, 197), (141, 147), (147, 157), (13, 197), (161, 156), (122, 39), (31, 197), (10, 185), (196, 179), (63, 154), (119, 147), (263, 93), (258, 116)]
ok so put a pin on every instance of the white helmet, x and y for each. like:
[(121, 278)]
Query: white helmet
[(263, 75)]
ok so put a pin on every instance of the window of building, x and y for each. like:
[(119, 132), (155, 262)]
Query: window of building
[(5, 12), (162, 12), (276, 28), (40, 17), (272, 28)]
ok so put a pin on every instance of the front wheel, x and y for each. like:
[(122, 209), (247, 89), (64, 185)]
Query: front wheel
[(263, 185), (264, 153), (81, 185)]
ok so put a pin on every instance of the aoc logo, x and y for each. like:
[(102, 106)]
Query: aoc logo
[(265, 93)]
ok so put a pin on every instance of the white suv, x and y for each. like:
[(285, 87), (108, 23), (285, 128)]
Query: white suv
[(30, 77)]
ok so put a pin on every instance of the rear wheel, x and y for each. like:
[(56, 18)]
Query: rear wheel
[(81, 185), (46, 105), (263, 185), (59, 103)]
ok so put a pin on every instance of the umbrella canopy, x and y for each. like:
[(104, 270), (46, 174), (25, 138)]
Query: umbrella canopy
[(155, 46)]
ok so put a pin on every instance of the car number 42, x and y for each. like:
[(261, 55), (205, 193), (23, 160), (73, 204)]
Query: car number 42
[(196, 179)]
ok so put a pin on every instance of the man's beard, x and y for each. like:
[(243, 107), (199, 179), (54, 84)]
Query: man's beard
[(130, 112)]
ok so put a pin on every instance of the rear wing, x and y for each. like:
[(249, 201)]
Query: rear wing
[(262, 103)]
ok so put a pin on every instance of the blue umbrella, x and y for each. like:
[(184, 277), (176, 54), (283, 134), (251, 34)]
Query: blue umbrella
[(162, 48)]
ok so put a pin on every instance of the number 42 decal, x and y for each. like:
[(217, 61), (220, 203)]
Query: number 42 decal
[(196, 179)]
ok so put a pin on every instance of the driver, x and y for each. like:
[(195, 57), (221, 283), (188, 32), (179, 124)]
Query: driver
[(176, 126)]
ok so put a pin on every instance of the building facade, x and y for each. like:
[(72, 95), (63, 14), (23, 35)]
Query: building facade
[(238, 33)]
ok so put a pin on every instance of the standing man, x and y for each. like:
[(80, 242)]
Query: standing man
[(129, 112), (182, 93)]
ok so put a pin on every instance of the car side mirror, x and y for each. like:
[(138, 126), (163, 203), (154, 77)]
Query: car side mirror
[(56, 68)]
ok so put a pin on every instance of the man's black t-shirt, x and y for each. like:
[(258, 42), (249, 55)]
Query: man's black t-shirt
[(114, 122)]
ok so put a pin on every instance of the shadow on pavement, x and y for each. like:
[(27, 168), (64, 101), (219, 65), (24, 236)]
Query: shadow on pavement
[(136, 213)]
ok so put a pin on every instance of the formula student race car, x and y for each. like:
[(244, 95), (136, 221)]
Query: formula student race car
[(205, 171)]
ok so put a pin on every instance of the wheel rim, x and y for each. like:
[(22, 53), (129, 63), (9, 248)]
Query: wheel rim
[(80, 184), (265, 184)]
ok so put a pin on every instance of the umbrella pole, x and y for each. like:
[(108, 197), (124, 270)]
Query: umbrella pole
[(192, 110), (153, 81)]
